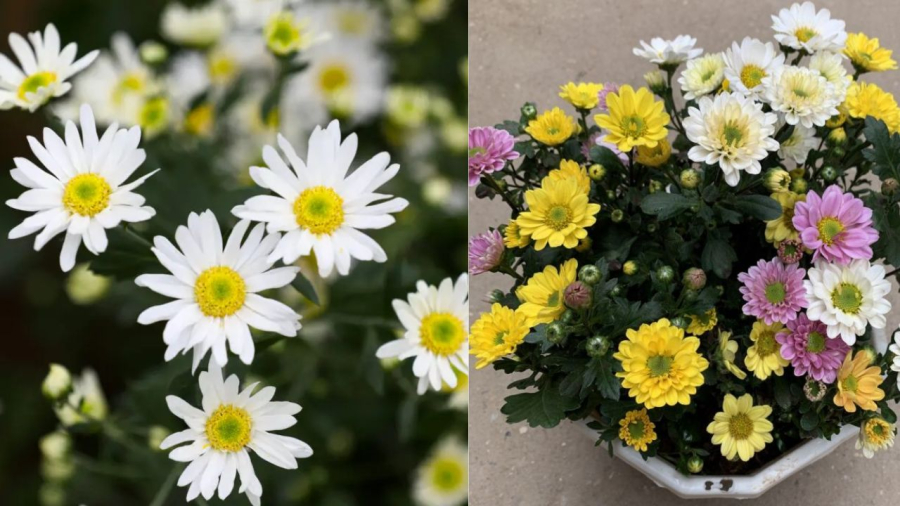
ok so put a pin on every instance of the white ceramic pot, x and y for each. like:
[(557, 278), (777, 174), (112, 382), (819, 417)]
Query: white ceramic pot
[(750, 486)]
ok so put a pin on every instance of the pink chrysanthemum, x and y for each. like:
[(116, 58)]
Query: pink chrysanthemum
[(485, 252), (596, 139), (836, 226), (602, 94), (806, 344), (773, 291), (489, 149)]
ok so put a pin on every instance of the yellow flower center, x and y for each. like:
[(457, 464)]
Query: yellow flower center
[(228, 429), (775, 293), (633, 126), (130, 83), (284, 34), (829, 229), (766, 344), (442, 333), (815, 342), (847, 297), (222, 67), (200, 120), (752, 75), (447, 474), (86, 194), (220, 291), (334, 78), (558, 217), (804, 33), (878, 431), (659, 365), (636, 429), (352, 23), (320, 210), (154, 114), (36, 81), (740, 426)]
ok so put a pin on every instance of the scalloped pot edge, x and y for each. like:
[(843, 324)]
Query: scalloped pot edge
[(751, 486)]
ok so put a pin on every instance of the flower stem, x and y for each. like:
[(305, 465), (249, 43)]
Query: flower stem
[(160, 498)]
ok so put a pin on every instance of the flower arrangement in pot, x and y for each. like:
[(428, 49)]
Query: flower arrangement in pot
[(701, 277)]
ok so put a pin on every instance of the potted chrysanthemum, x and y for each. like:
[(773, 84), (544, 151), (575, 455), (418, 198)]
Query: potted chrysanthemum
[(701, 281)]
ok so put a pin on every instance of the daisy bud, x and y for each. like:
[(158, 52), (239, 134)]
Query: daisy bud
[(838, 152), (56, 445), (630, 267), (799, 185), (814, 390), (155, 436), (153, 53), (655, 186), (797, 173), (617, 215), (610, 194), (596, 172), (681, 322), (615, 291), (567, 317), (777, 180), (829, 173), (84, 287), (871, 354), (665, 274), (529, 110), (694, 279), (556, 332), (889, 186), (496, 296), (590, 275), (790, 251), (597, 346), (577, 295), (485, 252), (690, 178), (695, 464), (656, 82), (58, 382), (837, 137), (651, 227)]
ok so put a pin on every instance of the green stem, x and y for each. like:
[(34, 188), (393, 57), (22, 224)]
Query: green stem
[(505, 269), (160, 498), (489, 181), (116, 471)]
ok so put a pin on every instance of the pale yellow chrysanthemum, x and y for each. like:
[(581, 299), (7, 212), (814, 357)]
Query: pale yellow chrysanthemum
[(701, 324), (655, 156), (782, 227), (728, 350), (741, 428), (858, 383), (702, 76), (542, 296), (867, 99), (559, 214), (496, 334), (634, 119), (867, 55), (552, 127), (569, 169), (764, 357), (512, 237), (875, 434), (636, 430), (582, 95), (660, 366)]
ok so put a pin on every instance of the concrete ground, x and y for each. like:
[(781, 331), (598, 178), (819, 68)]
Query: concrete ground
[(523, 50)]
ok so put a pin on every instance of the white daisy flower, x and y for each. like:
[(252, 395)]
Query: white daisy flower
[(443, 479), (702, 76), (223, 434), (669, 53), (831, 66), (846, 298), (44, 69), (803, 95), (801, 27), (799, 144), (358, 20), (436, 322), (198, 26), (319, 207), (344, 80), (733, 131), (748, 63), (86, 402), (254, 14), (80, 190), (217, 290), (895, 349)]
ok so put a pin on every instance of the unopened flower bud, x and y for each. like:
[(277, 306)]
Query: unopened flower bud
[(584, 245), (156, 435), (690, 178), (577, 295), (695, 464), (829, 173), (630, 267), (656, 82), (665, 274), (799, 185), (496, 296), (615, 291), (814, 390), (56, 445), (655, 186), (871, 354), (680, 322), (837, 137), (890, 186), (777, 180), (152, 52), (58, 382), (590, 275), (596, 172), (790, 251), (597, 346), (694, 279), (617, 215), (556, 332), (529, 110)]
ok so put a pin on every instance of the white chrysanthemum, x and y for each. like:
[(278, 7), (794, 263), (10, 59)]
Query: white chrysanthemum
[(217, 290), (254, 14), (44, 70), (846, 298), (702, 76), (81, 190), (748, 63), (222, 435), (802, 27), (803, 95), (86, 402), (895, 349), (358, 20), (443, 479), (319, 207), (194, 26), (799, 144), (345, 79), (733, 131), (436, 323), (669, 52), (831, 66)]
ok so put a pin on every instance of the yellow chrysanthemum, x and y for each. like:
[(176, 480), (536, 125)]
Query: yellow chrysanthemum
[(655, 156), (782, 227), (858, 383), (542, 296), (867, 55), (581, 95), (660, 366), (867, 99), (636, 430), (558, 214), (741, 428), (634, 119), (728, 350), (512, 237), (701, 324), (569, 169), (497, 334), (552, 127), (764, 357)]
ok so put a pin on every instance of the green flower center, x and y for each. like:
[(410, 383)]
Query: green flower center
[(478, 150), (850, 384), (766, 344), (636, 429), (554, 299), (447, 474), (752, 75), (34, 82), (847, 297), (800, 92), (500, 337), (815, 342), (829, 229), (659, 365), (804, 33), (320, 210), (633, 126), (442, 333), (228, 429), (775, 293), (732, 134), (558, 217), (740, 426)]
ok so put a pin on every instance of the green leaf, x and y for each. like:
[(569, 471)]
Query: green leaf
[(760, 207), (665, 205), (544, 408), (887, 222), (305, 287), (717, 257), (885, 150), (782, 393), (571, 385), (605, 157), (510, 126), (127, 256), (606, 381), (809, 421)]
